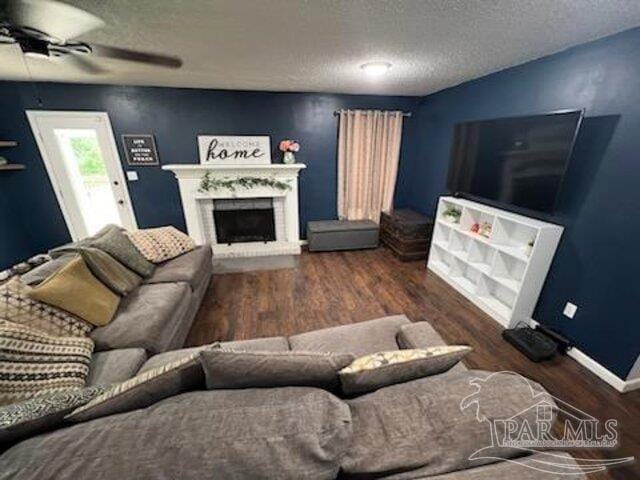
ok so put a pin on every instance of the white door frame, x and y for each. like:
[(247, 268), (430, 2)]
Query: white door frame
[(33, 117)]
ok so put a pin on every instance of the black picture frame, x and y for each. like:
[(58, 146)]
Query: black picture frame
[(140, 159)]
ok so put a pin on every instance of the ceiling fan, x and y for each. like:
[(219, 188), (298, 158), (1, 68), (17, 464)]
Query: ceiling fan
[(46, 29)]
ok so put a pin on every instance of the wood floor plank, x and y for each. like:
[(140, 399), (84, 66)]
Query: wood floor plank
[(336, 288)]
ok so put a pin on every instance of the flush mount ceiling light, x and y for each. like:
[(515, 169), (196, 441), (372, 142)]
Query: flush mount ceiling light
[(375, 69)]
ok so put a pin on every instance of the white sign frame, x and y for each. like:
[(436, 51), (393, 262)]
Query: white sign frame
[(234, 149)]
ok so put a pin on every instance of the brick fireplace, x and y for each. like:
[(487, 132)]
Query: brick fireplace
[(241, 222)]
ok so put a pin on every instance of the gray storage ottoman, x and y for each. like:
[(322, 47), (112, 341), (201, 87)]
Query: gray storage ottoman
[(328, 235)]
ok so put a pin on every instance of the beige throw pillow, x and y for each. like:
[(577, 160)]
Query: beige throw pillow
[(74, 289), (387, 368), (161, 244)]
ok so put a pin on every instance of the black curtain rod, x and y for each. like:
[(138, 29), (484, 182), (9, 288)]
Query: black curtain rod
[(337, 112)]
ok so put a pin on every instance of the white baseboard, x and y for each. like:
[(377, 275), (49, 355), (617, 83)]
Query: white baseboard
[(303, 243), (594, 367), (606, 375)]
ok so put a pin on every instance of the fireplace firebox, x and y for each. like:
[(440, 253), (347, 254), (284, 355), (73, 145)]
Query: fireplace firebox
[(238, 221)]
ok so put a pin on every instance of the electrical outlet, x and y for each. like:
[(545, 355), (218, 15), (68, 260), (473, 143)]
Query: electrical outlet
[(570, 310), (132, 175)]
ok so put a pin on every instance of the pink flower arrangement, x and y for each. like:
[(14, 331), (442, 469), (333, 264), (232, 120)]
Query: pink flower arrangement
[(289, 146)]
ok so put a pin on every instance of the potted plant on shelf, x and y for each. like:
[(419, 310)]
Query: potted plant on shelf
[(452, 215), (289, 147)]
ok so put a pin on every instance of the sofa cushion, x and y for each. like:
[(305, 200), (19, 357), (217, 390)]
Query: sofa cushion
[(147, 318), (423, 335), (17, 307), (161, 244), (269, 344), (192, 268), (39, 414), (358, 338), (380, 369), (433, 425), (235, 369), (116, 243), (75, 289), (289, 433), (145, 389), (33, 363), (115, 366)]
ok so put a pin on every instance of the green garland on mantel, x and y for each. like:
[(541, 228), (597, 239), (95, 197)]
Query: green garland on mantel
[(209, 182)]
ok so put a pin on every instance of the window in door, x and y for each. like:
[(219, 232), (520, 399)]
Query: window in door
[(82, 161)]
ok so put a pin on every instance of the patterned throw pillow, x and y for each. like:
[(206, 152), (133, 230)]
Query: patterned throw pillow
[(387, 368), (33, 363), (145, 389), (17, 307), (42, 413), (161, 244)]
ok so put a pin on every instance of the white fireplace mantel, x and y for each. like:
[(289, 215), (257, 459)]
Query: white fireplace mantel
[(189, 178)]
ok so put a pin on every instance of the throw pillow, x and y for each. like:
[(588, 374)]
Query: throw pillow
[(17, 307), (109, 271), (32, 362), (85, 242), (234, 369), (387, 368), (75, 289), (116, 243), (42, 413), (145, 389), (161, 244)]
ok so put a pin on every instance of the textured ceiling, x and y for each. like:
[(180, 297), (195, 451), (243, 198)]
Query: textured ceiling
[(319, 45)]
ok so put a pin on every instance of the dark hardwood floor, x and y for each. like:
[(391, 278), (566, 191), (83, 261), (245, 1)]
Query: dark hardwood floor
[(328, 289)]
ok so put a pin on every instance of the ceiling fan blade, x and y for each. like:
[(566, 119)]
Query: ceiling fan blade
[(135, 56), (84, 63), (56, 19)]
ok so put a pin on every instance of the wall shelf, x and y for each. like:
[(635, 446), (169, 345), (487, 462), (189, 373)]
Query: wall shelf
[(11, 167), (499, 272)]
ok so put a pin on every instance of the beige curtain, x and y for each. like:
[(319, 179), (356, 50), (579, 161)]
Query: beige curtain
[(368, 155)]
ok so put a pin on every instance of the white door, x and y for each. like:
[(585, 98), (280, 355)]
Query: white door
[(80, 154)]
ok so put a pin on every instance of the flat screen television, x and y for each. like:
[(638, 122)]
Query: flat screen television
[(519, 161)]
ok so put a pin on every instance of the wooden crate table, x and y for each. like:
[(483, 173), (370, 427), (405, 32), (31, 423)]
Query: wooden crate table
[(406, 233)]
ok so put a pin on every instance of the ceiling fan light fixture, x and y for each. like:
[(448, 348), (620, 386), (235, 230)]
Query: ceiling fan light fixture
[(375, 69)]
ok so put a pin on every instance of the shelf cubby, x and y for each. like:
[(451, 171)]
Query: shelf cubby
[(508, 270), (471, 216), (440, 258), (500, 273), (496, 296), (441, 235), (513, 237), (481, 256), (445, 205), (465, 275), (459, 244)]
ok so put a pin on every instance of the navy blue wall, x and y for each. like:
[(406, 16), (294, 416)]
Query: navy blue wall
[(30, 220), (597, 265)]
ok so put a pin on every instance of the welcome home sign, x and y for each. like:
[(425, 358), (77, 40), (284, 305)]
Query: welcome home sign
[(234, 150)]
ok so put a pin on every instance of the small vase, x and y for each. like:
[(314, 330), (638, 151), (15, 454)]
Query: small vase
[(289, 158)]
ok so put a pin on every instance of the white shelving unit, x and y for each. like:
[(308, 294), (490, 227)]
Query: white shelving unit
[(497, 271)]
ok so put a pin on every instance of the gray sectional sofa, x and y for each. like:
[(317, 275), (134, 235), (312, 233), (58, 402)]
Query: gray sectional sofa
[(412, 430), (154, 318)]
